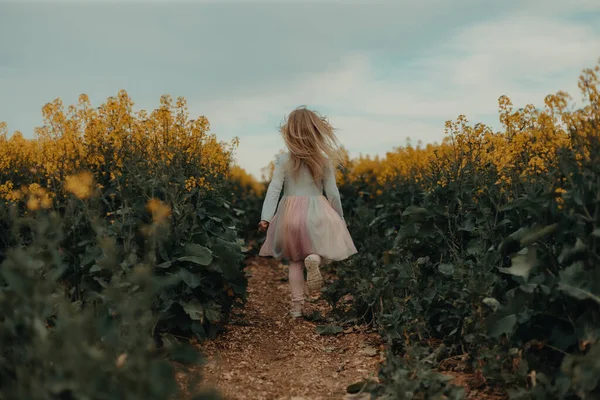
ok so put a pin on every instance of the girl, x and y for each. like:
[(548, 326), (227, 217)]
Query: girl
[(307, 227)]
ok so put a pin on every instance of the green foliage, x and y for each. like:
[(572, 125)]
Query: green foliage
[(408, 377), (118, 234), (197, 241), (506, 275), (246, 196), (116, 277), (99, 347)]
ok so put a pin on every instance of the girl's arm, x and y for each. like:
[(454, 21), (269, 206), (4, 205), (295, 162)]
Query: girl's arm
[(331, 189), (273, 192)]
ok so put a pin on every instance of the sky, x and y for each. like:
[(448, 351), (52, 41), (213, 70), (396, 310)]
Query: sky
[(381, 71)]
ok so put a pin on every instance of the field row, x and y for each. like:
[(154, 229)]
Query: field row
[(122, 233)]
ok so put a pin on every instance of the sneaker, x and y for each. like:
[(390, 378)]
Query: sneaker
[(313, 278), (296, 311)]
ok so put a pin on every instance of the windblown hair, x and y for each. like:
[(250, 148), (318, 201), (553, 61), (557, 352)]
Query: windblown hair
[(311, 140)]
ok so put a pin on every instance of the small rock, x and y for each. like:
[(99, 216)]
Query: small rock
[(370, 351)]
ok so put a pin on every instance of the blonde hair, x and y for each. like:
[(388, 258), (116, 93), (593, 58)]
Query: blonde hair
[(311, 140)]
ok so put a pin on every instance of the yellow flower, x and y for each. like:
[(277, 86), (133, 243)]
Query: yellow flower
[(37, 197), (190, 183), (46, 202), (14, 195), (33, 203), (160, 211), (80, 185)]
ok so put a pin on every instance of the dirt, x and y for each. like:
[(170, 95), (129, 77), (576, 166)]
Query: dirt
[(267, 355)]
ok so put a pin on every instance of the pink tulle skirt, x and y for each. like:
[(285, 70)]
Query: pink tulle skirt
[(306, 225)]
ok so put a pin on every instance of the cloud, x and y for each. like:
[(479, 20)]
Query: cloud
[(521, 53), (382, 71), (369, 134), (525, 57), (204, 51)]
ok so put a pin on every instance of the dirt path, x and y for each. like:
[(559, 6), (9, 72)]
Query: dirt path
[(267, 355)]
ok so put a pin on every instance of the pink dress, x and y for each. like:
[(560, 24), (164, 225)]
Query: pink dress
[(305, 222)]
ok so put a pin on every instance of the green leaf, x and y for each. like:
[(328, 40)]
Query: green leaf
[(192, 280), (446, 269), (216, 210), (422, 260), (314, 316), (213, 314), (528, 287), (511, 241), (578, 293), (198, 329), (571, 254), (522, 263), (101, 282), (166, 264), (504, 325), (378, 220), (195, 260), (91, 254), (596, 233), (410, 210), (475, 247), (538, 233), (230, 257), (162, 251), (469, 226), (576, 282), (203, 255), (328, 329), (363, 386), (194, 310), (95, 268), (492, 303), (577, 196)]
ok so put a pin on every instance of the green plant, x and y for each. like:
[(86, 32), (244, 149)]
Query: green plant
[(495, 258), (102, 348)]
